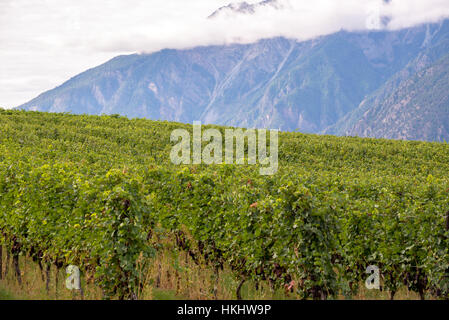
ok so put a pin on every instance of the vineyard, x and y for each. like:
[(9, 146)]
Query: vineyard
[(100, 192)]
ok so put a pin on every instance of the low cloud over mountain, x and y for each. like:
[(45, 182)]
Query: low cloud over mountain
[(46, 42), (246, 8)]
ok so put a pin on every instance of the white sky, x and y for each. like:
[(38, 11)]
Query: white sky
[(45, 42)]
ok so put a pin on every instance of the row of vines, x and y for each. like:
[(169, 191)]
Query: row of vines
[(98, 192)]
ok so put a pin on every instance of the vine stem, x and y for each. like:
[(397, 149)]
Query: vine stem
[(47, 282), (56, 282), (81, 292), (1, 262), (239, 289), (15, 259), (41, 269), (217, 275), (7, 263)]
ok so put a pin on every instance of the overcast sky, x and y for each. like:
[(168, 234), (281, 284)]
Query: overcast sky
[(45, 42)]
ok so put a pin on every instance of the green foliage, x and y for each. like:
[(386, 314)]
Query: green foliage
[(100, 192)]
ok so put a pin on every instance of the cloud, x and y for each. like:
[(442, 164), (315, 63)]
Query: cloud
[(44, 42)]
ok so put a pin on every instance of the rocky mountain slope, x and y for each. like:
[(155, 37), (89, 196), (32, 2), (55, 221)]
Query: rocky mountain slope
[(411, 105), (323, 85), (245, 8), (417, 108)]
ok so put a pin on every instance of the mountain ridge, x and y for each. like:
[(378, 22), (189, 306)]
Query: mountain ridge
[(310, 86), (358, 122), (244, 8)]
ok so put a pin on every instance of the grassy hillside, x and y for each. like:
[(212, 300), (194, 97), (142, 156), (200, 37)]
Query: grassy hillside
[(112, 141), (100, 192)]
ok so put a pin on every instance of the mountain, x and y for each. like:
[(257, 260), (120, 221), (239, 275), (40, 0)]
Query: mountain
[(245, 8), (417, 108), (413, 104), (310, 86)]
